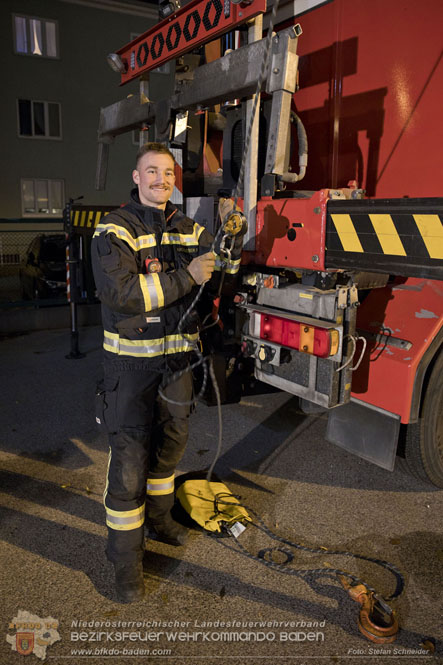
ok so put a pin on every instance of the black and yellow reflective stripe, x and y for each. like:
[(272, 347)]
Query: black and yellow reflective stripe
[(87, 219), (387, 234), (391, 234), (160, 486), (347, 233), (152, 291), (141, 242), (232, 266), (394, 236), (125, 520), (185, 239), (431, 230), (149, 348)]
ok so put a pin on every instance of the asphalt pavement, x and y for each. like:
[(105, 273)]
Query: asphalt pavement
[(214, 601)]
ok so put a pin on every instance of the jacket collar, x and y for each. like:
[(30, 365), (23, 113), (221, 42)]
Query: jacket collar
[(171, 213)]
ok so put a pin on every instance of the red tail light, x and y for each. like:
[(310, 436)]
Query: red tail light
[(321, 342)]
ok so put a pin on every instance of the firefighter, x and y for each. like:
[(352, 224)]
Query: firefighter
[(148, 260)]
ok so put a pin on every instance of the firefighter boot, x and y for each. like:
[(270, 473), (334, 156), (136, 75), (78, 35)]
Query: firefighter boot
[(159, 501), (168, 531), (129, 582)]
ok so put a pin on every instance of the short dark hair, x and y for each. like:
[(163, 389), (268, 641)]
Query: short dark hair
[(153, 147)]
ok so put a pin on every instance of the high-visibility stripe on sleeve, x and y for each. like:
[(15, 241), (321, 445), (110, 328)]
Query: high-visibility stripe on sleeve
[(125, 520), (152, 291), (160, 486), (141, 242), (232, 266)]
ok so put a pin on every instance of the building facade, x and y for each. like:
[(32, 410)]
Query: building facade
[(56, 78)]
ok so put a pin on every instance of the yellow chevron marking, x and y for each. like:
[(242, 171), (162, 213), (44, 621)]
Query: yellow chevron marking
[(76, 215), (431, 230), (347, 233), (91, 214), (387, 234), (82, 218), (97, 218)]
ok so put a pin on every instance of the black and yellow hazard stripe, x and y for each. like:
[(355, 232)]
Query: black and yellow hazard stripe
[(84, 219), (397, 236)]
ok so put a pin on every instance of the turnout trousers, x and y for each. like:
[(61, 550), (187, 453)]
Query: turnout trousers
[(147, 438)]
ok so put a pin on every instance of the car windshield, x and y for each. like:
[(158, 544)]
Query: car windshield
[(53, 249)]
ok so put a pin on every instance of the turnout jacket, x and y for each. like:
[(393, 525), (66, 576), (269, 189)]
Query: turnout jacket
[(141, 310)]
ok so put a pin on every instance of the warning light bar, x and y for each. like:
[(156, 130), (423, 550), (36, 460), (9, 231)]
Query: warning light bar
[(321, 342), (196, 23)]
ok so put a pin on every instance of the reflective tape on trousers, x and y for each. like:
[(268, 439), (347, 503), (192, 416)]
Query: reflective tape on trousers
[(160, 485), (125, 520)]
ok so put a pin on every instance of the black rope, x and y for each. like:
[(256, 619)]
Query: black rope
[(305, 572), (201, 360)]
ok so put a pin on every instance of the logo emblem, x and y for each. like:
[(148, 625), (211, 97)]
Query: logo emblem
[(32, 634), (24, 643)]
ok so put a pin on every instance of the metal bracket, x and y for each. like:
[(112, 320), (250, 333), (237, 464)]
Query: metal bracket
[(282, 79), (342, 297), (234, 75), (353, 296)]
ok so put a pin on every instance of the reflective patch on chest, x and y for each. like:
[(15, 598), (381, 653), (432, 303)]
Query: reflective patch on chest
[(187, 250)]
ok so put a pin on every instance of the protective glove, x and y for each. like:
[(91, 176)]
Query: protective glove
[(202, 267)]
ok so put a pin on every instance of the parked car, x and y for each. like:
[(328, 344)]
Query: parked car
[(43, 270)]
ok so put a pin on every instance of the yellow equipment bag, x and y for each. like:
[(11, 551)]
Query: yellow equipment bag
[(211, 504)]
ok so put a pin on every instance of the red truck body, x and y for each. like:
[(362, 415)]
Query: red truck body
[(363, 228)]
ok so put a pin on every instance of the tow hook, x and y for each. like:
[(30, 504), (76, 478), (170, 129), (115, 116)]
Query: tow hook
[(376, 619)]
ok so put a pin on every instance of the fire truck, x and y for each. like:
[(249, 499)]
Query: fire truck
[(329, 115)]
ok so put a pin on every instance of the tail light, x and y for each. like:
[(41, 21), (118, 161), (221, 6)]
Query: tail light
[(321, 342)]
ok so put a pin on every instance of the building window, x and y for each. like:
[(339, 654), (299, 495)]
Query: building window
[(41, 197), (39, 119), (35, 36)]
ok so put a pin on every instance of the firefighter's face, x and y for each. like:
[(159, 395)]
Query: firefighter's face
[(155, 178)]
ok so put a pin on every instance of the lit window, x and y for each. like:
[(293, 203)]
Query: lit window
[(41, 197), (35, 36), (39, 119)]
